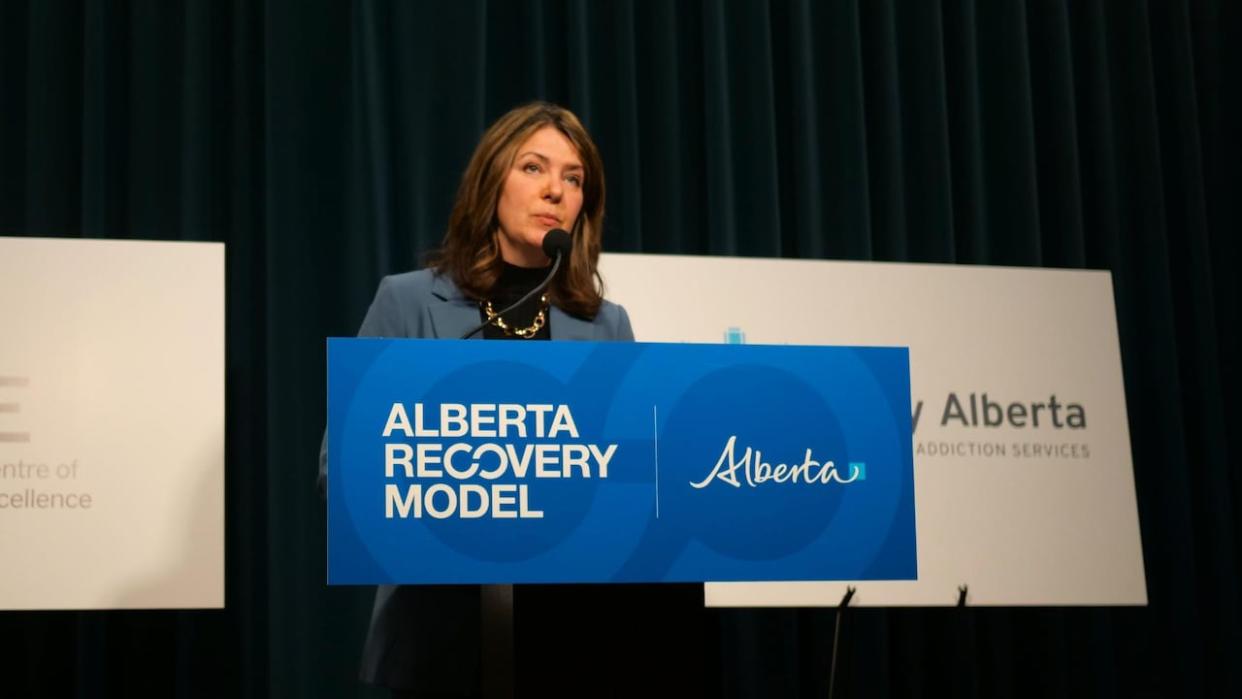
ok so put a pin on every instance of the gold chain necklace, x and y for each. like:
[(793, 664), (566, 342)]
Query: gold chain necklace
[(524, 333)]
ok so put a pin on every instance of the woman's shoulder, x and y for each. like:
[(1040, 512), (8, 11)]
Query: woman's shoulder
[(414, 283), (615, 321), (608, 310), (398, 307), (417, 287)]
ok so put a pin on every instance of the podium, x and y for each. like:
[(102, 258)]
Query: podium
[(510, 462)]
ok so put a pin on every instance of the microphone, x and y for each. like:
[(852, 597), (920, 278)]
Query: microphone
[(556, 245)]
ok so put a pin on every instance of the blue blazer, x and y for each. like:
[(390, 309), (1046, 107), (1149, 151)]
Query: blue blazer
[(427, 637)]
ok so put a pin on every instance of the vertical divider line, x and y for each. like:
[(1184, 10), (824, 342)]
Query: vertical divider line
[(655, 433)]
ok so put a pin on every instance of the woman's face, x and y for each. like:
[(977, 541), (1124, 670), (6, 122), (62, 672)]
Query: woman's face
[(542, 191)]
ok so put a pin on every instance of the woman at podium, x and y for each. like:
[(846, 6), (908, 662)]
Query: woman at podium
[(535, 170)]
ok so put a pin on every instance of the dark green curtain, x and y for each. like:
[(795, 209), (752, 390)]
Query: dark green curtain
[(322, 141)]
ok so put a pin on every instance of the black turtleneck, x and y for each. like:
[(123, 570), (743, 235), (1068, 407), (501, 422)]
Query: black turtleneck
[(512, 285)]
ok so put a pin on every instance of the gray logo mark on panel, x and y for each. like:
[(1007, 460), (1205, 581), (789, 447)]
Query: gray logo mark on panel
[(8, 406)]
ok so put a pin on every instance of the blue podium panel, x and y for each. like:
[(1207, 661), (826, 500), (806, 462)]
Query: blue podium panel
[(521, 462)]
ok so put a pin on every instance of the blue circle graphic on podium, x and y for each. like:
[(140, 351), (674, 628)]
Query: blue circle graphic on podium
[(562, 502)]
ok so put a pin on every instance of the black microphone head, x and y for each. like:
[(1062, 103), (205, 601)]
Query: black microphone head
[(557, 242)]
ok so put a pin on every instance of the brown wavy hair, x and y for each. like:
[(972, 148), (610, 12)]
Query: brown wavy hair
[(470, 253)]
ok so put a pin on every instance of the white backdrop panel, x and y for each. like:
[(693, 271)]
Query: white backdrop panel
[(111, 424), (1023, 513)]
